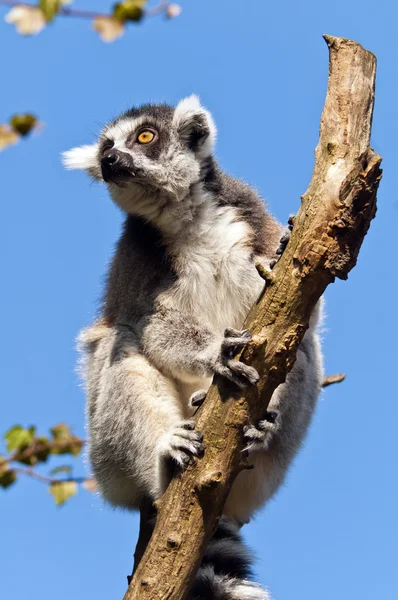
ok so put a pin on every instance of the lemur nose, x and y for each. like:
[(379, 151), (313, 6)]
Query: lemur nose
[(110, 158)]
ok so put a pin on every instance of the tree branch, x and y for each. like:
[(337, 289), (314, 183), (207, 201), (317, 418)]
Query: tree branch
[(47, 480), (328, 232), (331, 379)]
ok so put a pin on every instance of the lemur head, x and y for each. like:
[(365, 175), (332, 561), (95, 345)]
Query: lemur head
[(150, 155)]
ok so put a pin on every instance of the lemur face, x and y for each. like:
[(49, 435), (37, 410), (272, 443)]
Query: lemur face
[(151, 148)]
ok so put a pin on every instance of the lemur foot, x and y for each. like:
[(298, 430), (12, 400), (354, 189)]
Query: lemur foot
[(235, 371), (283, 242), (181, 443), (197, 398), (259, 436)]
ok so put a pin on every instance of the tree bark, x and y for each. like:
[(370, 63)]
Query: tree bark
[(329, 228), (331, 379)]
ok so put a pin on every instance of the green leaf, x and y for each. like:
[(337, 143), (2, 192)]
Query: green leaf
[(50, 8), (62, 491), (7, 478), (18, 438), (129, 10), (61, 469), (23, 123), (76, 447), (61, 432)]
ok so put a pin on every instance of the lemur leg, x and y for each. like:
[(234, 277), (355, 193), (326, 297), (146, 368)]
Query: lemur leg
[(294, 401), (187, 350), (301, 383), (136, 426)]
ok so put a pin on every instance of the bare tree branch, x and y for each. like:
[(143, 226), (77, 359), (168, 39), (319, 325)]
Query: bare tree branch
[(331, 379), (328, 232), (47, 480)]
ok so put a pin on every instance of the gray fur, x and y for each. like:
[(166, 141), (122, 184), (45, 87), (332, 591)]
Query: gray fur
[(182, 276)]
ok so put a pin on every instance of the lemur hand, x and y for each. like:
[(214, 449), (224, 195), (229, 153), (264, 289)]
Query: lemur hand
[(231, 369), (181, 443), (259, 436), (283, 242)]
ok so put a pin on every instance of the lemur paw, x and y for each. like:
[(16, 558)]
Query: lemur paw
[(259, 436), (181, 443), (197, 398), (235, 371), (283, 242)]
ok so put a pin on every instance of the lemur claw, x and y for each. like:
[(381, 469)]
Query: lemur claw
[(182, 443), (259, 436), (234, 370), (197, 398)]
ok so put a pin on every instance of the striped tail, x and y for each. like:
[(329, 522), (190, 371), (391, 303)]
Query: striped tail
[(226, 568)]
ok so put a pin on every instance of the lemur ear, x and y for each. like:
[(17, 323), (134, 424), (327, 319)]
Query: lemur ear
[(83, 157), (195, 125)]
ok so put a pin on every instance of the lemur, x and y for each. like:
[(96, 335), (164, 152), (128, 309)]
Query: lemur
[(180, 285)]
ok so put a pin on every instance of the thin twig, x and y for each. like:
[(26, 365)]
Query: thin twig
[(37, 447), (331, 379), (47, 480), (64, 11)]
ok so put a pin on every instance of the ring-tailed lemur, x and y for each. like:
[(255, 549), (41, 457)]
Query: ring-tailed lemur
[(181, 283)]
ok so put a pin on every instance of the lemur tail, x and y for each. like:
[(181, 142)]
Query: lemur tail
[(225, 569)]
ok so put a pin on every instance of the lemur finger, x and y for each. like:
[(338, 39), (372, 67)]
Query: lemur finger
[(197, 398), (183, 443), (179, 457), (188, 434), (236, 333), (245, 372), (192, 447), (240, 374), (283, 242), (187, 424), (234, 340)]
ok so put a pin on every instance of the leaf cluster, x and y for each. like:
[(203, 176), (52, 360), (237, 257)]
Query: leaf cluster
[(17, 127), (31, 19), (25, 447)]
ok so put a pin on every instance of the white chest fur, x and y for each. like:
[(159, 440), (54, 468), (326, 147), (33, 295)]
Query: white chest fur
[(217, 280)]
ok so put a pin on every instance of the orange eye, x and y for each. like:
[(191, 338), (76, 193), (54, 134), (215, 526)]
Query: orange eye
[(145, 137), (106, 149)]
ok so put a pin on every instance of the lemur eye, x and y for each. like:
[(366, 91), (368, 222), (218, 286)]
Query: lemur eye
[(106, 148), (145, 137)]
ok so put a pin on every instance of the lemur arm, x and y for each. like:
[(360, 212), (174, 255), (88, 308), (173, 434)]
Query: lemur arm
[(181, 346), (136, 420)]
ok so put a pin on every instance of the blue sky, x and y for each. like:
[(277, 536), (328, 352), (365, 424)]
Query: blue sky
[(261, 68)]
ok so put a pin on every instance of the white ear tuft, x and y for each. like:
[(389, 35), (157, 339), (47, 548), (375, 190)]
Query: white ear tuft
[(189, 104), (185, 113), (83, 157)]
